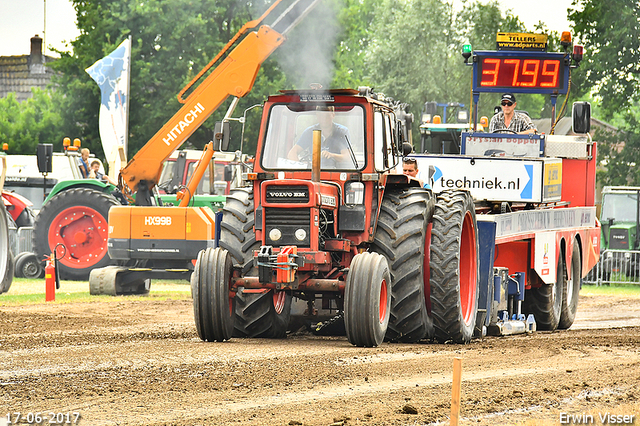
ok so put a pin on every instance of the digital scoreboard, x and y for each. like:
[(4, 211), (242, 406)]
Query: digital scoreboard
[(520, 72)]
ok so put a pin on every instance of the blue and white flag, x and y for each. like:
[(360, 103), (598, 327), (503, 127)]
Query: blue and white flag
[(112, 73)]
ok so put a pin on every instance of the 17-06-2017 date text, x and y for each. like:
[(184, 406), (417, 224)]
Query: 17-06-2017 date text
[(48, 418)]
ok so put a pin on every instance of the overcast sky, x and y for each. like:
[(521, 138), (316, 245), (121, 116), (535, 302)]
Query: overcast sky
[(22, 19)]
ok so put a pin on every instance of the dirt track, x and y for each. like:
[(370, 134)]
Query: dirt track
[(131, 362)]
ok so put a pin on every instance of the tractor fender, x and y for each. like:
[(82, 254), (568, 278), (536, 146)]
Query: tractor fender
[(79, 183)]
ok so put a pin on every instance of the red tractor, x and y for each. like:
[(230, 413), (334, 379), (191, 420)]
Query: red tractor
[(327, 221)]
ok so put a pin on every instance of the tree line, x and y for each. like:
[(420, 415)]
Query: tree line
[(407, 49)]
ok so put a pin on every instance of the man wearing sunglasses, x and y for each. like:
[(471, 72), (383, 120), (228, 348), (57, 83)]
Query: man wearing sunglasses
[(509, 119)]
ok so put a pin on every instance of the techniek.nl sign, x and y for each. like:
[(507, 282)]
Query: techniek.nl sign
[(487, 179)]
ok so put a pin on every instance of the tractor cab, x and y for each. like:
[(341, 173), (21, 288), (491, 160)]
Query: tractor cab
[(358, 143)]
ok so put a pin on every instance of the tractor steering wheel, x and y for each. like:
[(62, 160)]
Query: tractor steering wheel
[(505, 131)]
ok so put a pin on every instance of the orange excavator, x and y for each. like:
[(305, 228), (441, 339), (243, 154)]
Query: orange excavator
[(146, 234)]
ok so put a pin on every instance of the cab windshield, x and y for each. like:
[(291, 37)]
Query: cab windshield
[(290, 137), (621, 207)]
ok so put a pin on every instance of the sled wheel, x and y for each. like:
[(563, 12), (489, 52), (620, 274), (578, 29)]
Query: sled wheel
[(367, 300), (545, 302), (403, 237), (213, 301), (77, 219), (571, 290), (454, 267)]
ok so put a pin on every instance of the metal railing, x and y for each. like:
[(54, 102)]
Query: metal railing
[(20, 239), (616, 267)]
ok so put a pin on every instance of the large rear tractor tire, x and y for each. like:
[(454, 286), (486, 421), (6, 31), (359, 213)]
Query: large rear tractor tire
[(545, 302), (6, 256), (571, 290), (236, 229), (454, 267), (262, 313), (403, 238), (77, 219), (213, 302), (367, 300), (258, 313)]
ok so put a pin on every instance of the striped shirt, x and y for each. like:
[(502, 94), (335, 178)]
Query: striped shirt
[(520, 122)]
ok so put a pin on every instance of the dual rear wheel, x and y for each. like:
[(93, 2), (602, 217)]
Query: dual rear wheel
[(432, 250), (454, 267)]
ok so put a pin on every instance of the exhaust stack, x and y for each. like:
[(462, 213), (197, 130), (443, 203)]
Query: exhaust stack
[(316, 156)]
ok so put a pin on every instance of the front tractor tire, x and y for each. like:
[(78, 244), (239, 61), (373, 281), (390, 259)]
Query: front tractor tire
[(454, 267), (403, 237), (213, 302), (367, 300), (77, 219), (258, 313)]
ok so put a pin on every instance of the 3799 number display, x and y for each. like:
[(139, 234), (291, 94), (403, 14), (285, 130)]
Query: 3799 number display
[(521, 73)]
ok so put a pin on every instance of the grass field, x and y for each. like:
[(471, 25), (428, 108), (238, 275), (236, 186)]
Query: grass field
[(629, 290), (29, 291)]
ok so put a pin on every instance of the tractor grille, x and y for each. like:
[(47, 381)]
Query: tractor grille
[(287, 194), (619, 239), (287, 221)]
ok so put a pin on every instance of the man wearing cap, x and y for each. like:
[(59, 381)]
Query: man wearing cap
[(509, 119)]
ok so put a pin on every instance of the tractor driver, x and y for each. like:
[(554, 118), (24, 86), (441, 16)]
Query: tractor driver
[(335, 140), (510, 119)]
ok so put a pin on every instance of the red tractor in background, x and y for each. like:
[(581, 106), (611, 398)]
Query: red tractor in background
[(339, 230)]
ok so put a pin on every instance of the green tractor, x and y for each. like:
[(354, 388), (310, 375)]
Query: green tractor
[(620, 219)]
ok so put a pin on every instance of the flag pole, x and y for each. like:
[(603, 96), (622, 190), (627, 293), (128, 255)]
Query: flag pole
[(44, 34), (123, 153)]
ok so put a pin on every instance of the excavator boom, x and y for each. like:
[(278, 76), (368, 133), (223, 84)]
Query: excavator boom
[(234, 76)]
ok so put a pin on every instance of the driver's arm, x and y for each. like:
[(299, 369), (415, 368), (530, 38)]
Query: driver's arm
[(339, 141), (530, 127), (342, 156), (294, 153)]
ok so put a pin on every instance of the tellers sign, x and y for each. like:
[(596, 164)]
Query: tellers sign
[(520, 72)]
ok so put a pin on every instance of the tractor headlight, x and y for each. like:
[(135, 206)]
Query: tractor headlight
[(353, 193), (300, 234), (275, 234)]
